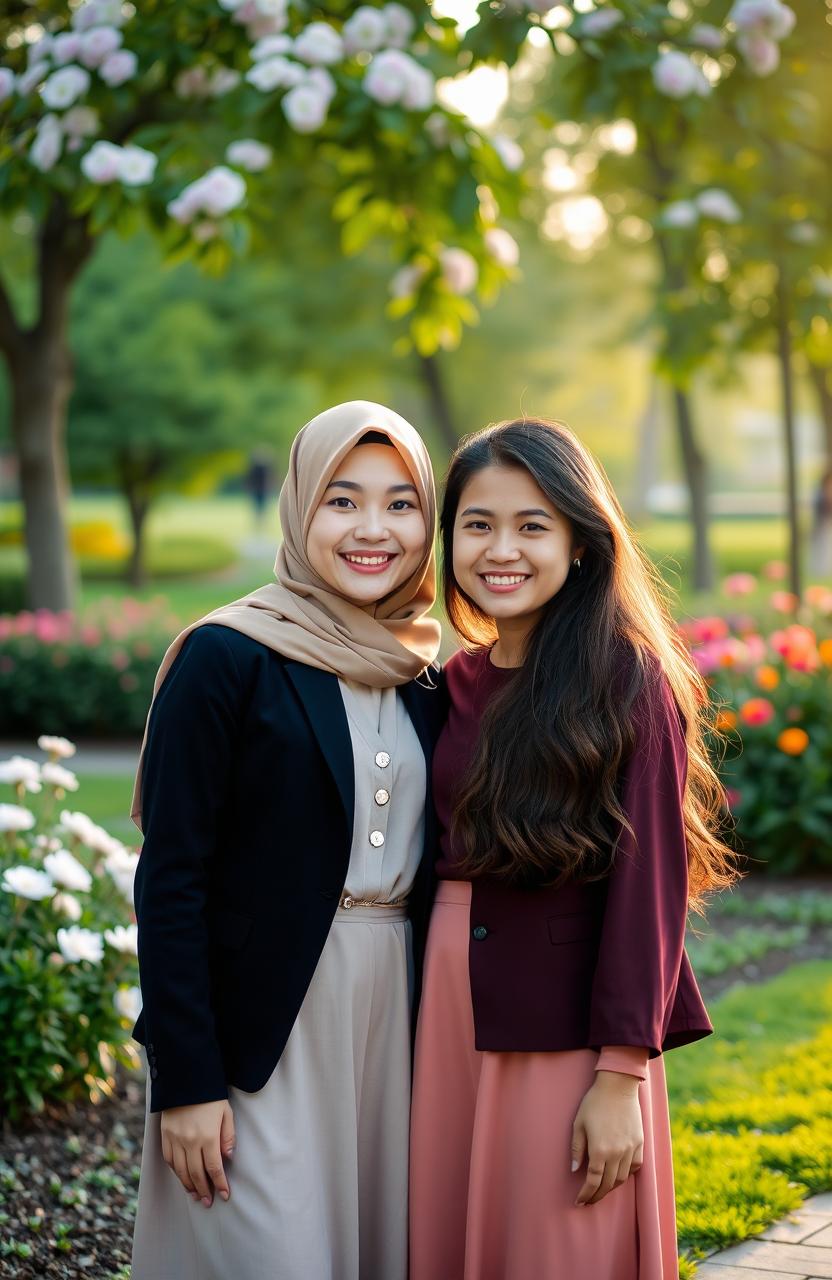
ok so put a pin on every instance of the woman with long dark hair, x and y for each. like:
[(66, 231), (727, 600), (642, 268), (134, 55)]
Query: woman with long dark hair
[(578, 821)]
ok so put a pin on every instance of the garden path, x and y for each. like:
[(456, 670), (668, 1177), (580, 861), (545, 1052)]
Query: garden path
[(797, 1248)]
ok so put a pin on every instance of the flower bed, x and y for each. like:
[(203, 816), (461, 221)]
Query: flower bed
[(68, 970), (773, 727), (84, 675)]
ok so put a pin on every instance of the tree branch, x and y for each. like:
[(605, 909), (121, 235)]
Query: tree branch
[(11, 334)]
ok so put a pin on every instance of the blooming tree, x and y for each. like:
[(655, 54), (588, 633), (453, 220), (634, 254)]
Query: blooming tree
[(182, 117)]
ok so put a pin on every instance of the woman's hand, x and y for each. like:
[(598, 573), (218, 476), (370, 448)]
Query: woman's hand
[(194, 1141), (608, 1130)]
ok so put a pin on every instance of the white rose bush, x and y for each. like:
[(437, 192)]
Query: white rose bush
[(69, 994), (186, 119)]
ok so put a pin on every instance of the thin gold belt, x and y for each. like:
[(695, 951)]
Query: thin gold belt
[(348, 902)]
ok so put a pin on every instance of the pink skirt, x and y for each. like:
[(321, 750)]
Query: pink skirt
[(492, 1195)]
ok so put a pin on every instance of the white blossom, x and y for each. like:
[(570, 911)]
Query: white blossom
[(136, 166), (509, 151), (719, 205), (97, 44), (124, 938), (119, 67), (366, 30), (459, 270), (677, 76), (27, 882), (88, 832), (407, 280), (98, 13), (768, 18), (102, 163), (223, 81), (393, 76), (13, 817), (680, 213), (67, 871), (31, 78), (7, 83), (400, 25), (271, 45), (79, 122), (221, 190), (47, 842), (762, 55), (502, 247), (275, 73), (121, 865), (600, 21), (57, 776), (66, 47), (249, 154), (305, 108), (707, 36), (44, 154), (21, 771), (319, 79), (65, 86), (80, 944), (39, 50), (419, 88), (319, 44), (67, 905), (128, 1002)]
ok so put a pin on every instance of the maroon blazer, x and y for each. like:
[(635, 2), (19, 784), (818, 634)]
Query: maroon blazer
[(583, 966)]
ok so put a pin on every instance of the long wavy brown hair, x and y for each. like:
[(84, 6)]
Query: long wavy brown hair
[(540, 802)]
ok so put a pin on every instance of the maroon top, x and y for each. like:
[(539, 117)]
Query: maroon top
[(583, 965)]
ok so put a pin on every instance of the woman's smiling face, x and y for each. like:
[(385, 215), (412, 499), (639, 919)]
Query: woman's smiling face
[(512, 548), (368, 534)]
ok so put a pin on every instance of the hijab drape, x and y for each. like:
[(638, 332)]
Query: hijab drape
[(300, 615)]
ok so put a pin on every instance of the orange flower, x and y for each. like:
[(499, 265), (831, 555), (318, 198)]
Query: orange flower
[(793, 742), (757, 711), (768, 677), (825, 651), (725, 720)]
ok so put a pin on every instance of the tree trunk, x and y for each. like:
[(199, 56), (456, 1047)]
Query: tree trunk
[(784, 356), (41, 382), (137, 568), (646, 466), (821, 382), (696, 475), (440, 406)]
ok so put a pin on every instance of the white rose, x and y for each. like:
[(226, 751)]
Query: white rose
[(269, 46), (600, 22), (31, 78), (124, 938), (305, 108), (119, 67), (221, 190), (97, 44), (27, 882), (319, 44), (79, 122), (67, 871), (764, 17), (83, 827), (675, 75), (66, 905), (19, 770), (121, 866), (44, 154), (40, 49), (65, 86), (136, 166), (57, 776), (101, 164), (385, 78), (13, 817), (128, 1002), (707, 36), (223, 81), (7, 83), (502, 247), (80, 944), (762, 56), (509, 151), (275, 73), (680, 213), (98, 13), (183, 208), (75, 823), (459, 270), (419, 88), (406, 280), (718, 205), (249, 154), (365, 31), (400, 25), (66, 47), (321, 81)]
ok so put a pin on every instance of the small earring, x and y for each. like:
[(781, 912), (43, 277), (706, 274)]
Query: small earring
[(576, 564)]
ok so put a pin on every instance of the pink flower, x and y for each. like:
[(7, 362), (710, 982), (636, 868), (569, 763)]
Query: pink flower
[(775, 570), (783, 601), (739, 584), (757, 711), (120, 659), (90, 636), (706, 629)]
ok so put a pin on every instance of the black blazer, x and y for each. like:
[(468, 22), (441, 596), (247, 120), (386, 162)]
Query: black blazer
[(247, 804)]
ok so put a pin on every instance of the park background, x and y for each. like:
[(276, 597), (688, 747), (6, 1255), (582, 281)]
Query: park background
[(218, 219)]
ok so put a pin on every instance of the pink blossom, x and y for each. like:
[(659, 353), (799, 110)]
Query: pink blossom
[(90, 636), (783, 602), (713, 628), (739, 584), (775, 570)]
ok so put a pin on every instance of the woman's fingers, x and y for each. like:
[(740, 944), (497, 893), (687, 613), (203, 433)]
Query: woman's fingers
[(180, 1167), (578, 1145), (592, 1181), (638, 1158), (214, 1168), (228, 1138), (199, 1177)]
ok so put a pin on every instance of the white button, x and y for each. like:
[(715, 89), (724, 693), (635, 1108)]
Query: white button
[(377, 839), (382, 759), (382, 796)]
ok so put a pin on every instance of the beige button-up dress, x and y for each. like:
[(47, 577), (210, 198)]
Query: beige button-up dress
[(319, 1176)]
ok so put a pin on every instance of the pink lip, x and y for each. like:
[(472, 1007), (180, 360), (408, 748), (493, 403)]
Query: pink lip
[(369, 568), (503, 590)]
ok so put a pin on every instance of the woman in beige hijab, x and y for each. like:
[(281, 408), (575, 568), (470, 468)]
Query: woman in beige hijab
[(283, 883)]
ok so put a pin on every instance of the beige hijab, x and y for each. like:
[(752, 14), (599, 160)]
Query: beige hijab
[(299, 615)]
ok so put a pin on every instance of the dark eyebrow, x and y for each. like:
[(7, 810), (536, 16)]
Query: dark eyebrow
[(357, 488), (481, 511)]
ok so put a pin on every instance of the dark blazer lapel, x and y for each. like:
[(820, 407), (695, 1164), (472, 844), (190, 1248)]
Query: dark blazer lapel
[(409, 695), (321, 697)]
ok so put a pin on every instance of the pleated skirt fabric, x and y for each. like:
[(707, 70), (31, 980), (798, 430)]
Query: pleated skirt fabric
[(491, 1189)]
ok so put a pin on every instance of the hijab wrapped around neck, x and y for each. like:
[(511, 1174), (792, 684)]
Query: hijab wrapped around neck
[(301, 616)]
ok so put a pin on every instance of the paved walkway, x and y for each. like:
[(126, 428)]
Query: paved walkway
[(100, 758), (798, 1248)]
